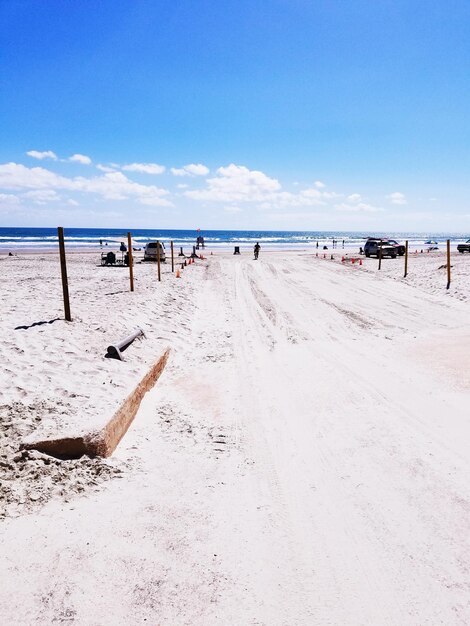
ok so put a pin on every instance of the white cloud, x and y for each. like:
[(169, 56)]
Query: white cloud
[(233, 209), (236, 183), (105, 168), (397, 198), (17, 176), (182, 186), (47, 154), (9, 198), (193, 169), (112, 185), (146, 168), (354, 197), (80, 158), (41, 196), (358, 207), (116, 186), (73, 202), (319, 184)]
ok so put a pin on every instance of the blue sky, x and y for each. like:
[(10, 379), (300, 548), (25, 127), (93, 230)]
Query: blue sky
[(271, 114)]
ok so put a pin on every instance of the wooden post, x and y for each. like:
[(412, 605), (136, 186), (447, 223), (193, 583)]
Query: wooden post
[(380, 254), (158, 261), (131, 269), (406, 258), (63, 271), (448, 263), (172, 258)]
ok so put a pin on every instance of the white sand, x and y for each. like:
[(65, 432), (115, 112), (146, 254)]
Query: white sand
[(302, 460)]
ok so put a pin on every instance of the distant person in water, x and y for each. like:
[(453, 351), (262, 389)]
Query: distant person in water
[(101, 242), (317, 244), (256, 250)]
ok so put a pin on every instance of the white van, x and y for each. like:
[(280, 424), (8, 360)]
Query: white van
[(150, 251)]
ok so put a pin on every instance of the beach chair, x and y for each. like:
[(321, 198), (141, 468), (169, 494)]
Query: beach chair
[(108, 258)]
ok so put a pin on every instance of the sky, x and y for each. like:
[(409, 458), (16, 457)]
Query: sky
[(246, 114)]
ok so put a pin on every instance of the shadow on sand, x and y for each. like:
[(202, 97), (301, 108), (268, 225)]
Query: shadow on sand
[(57, 319)]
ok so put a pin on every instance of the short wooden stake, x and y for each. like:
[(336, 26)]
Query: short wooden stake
[(380, 254), (172, 257), (448, 263), (158, 261), (131, 269), (63, 271), (406, 259)]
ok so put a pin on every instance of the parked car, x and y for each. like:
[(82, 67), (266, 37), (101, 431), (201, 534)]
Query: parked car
[(150, 252), (464, 247), (399, 246), (373, 246)]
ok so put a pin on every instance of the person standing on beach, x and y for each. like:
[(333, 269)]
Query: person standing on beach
[(256, 250)]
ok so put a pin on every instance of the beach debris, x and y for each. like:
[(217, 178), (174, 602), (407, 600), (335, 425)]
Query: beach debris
[(114, 351), (178, 274), (103, 442), (29, 478)]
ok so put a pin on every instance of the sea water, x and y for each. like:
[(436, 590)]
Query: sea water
[(12, 239)]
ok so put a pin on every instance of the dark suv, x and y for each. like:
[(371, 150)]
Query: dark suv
[(399, 246), (373, 246)]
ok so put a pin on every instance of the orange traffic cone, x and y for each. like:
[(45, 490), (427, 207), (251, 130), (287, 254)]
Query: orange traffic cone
[(360, 261)]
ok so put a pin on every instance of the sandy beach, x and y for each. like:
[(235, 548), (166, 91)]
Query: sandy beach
[(302, 460)]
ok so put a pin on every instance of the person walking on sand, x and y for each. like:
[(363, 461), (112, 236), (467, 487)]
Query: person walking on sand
[(256, 250)]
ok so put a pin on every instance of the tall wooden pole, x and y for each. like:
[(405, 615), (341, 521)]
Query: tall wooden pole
[(158, 261), (380, 254), (406, 258), (63, 271), (172, 258), (448, 263), (131, 268)]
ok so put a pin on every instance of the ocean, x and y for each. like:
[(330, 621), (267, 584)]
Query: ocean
[(15, 239)]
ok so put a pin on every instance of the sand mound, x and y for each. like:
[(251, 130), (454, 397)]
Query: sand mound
[(29, 479)]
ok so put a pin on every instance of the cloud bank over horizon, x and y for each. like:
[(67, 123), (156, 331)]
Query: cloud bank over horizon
[(229, 196)]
